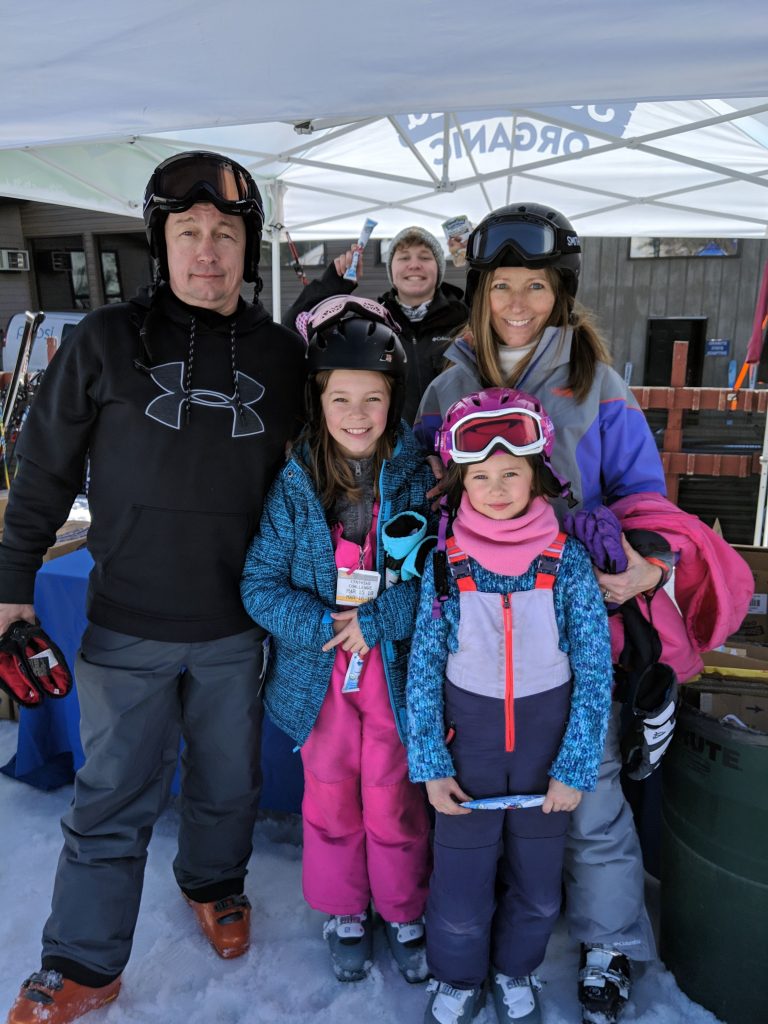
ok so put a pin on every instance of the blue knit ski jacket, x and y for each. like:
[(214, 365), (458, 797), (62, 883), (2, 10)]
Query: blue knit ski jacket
[(289, 587), (583, 627)]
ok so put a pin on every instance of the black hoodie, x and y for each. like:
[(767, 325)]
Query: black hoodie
[(184, 426)]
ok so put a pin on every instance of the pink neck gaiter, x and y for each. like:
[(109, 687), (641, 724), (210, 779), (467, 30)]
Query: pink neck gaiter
[(505, 546)]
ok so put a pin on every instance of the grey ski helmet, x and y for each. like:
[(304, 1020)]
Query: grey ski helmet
[(524, 235)]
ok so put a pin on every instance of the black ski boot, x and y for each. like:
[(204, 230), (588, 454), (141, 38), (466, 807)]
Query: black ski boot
[(604, 984)]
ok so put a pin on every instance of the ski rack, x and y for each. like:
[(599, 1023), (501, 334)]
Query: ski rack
[(677, 399), (32, 322)]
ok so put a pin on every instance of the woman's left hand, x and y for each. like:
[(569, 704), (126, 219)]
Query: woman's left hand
[(348, 635), (639, 576), (561, 797)]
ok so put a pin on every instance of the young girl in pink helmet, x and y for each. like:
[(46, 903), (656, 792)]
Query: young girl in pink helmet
[(340, 610), (508, 695)]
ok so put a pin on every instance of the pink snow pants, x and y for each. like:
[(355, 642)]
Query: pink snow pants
[(366, 831)]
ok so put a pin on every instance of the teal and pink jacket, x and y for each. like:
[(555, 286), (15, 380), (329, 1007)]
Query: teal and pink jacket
[(289, 588)]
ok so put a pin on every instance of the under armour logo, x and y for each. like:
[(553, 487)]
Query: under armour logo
[(167, 408)]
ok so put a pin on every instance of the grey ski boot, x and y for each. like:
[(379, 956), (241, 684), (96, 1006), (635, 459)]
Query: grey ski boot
[(409, 949), (350, 940), (449, 1005), (516, 999)]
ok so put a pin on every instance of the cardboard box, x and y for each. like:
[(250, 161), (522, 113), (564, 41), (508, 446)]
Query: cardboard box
[(8, 708), (750, 708), (754, 629), (749, 662), (70, 537)]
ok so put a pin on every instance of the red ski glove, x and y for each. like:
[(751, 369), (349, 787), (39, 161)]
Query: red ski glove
[(31, 665)]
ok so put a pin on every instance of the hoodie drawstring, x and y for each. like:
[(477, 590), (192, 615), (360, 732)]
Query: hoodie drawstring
[(188, 376), (238, 400), (144, 363)]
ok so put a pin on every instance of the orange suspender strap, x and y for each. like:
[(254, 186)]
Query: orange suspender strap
[(459, 566), (549, 563)]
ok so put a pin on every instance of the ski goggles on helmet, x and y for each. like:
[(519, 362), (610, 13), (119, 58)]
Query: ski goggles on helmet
[(182, 181), (330, 311), (531, 240), (474, 437)]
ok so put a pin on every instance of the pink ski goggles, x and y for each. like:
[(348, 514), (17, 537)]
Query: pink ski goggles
[(474, 437), (328, 312)]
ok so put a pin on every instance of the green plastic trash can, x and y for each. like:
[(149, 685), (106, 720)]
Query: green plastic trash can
[(714, 852)]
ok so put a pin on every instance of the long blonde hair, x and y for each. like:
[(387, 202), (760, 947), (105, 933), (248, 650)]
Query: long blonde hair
[(588, 348), (329, 470)]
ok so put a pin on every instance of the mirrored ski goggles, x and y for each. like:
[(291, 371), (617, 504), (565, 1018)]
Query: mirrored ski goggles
[(475, 436), (531, 240), (328, 312), (197, 177)]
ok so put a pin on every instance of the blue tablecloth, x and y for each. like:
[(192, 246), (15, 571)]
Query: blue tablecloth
[(49, 751)]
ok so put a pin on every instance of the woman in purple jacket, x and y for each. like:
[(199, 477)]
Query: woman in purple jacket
[(526, 331)]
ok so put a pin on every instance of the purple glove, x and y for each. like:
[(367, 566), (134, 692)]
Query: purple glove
[(600, 533)]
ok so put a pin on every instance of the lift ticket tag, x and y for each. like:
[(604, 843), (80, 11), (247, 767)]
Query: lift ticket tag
[(356, 587)]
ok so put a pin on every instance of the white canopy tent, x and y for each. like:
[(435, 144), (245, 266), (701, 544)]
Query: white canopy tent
[(636, 118), (675, 168)]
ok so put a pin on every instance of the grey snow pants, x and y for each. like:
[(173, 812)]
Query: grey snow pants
[(138, 698), (604, 876)]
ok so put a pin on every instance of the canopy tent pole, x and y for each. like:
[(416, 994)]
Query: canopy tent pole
[(276, 192), (760, 538), (754, 352)]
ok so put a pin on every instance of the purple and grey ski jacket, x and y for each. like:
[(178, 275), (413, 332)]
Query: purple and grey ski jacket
[(603, 445)]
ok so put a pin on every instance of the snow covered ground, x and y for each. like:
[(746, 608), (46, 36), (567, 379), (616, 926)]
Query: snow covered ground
[(175, 978)]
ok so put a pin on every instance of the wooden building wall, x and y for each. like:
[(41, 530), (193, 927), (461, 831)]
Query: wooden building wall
[(625, 292), (16, 286)]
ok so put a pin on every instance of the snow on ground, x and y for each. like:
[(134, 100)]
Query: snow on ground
[(174, 977)]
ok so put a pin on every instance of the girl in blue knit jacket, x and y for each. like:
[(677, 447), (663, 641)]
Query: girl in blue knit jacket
[(352, 496), (509, 690)]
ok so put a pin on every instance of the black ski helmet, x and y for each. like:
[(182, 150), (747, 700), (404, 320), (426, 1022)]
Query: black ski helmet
[(200, 176), (524, 235), (349, 333)]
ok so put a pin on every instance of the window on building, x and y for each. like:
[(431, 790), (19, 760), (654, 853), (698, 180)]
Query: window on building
[(110, 276), (79, 278)]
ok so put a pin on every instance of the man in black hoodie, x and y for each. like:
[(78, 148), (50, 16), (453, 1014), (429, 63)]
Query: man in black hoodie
[(182, 404), (427, 309)]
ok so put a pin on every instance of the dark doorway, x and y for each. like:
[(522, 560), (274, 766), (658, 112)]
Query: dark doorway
[(61, 273), (663, 332)]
